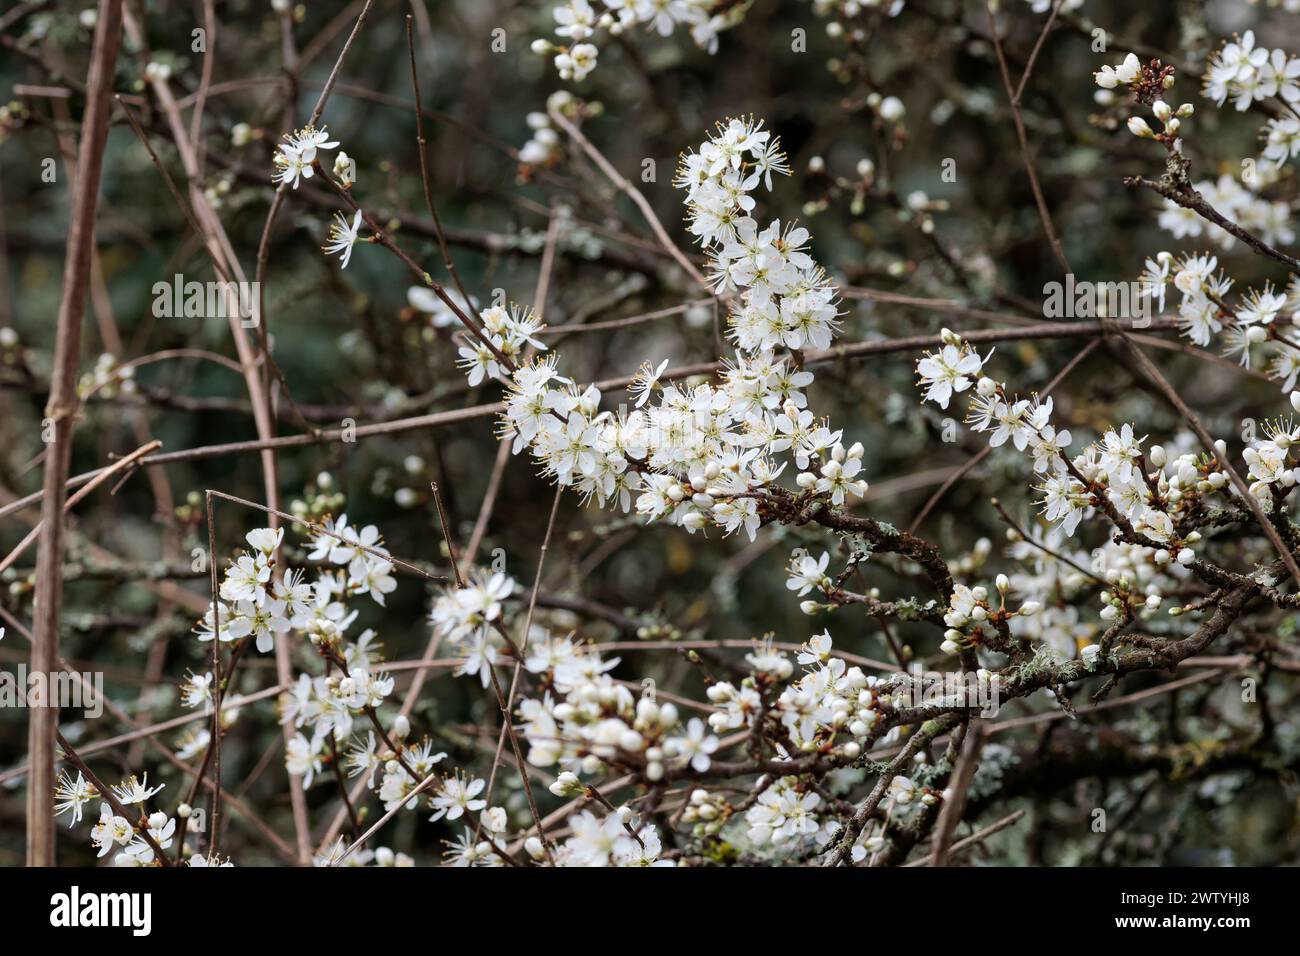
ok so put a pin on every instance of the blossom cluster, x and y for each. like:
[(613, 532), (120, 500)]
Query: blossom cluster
[(1145, 488), (1258, 329), (111, 829), (1246, 74), (702, 454), (579, 22), (1269, 219), (294, 158), (1238, 200), (1150, 494), (255, 601)]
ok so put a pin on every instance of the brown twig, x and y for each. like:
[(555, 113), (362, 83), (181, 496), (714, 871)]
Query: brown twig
[(61, 413)]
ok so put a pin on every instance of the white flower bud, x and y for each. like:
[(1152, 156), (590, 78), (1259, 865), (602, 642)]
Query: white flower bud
[(1139, 128), (695, 521), (566, 784), (401, 727), (891, 109), (345, 168)]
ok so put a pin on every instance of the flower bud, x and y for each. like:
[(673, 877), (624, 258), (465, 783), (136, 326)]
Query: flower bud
[(891, 109), (566, 784), (1139, 128)]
